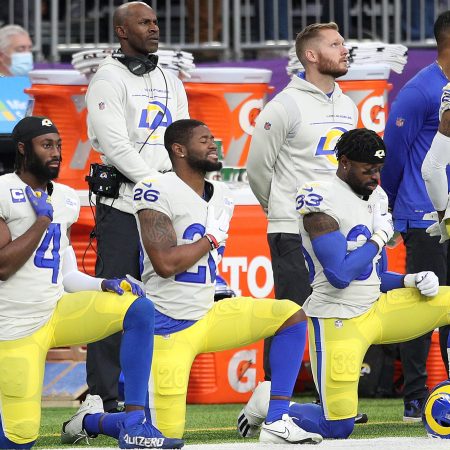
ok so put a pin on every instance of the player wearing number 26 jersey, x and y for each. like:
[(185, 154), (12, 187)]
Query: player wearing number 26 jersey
[(183, 222), (188, 295)]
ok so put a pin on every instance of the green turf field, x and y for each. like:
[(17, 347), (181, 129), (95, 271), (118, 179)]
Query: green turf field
[(216, 423)]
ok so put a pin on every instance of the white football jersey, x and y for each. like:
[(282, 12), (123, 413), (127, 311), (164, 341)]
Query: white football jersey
[(28, 298), (188, 295), (355, 218)]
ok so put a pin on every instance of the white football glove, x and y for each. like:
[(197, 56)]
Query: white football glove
[(383, 227), (445, 100), (218, 227), (438, 228), (427, 282)]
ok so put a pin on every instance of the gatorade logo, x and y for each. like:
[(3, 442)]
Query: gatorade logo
[(242, 370), (153, 117), (326, 144), (373, 114)]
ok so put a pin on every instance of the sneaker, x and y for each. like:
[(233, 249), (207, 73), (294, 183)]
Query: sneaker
[(413, 410), (145, 435), (361, 418), (285, 431), (72, 431), (253, 414)]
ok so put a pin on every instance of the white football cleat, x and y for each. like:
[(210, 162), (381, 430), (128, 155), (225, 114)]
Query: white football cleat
[(445, 100), (255, 411), (72, 431), (285, 431)]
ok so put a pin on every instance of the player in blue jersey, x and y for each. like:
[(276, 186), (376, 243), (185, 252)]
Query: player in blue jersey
[(410, 128), (46, 302), (355, 301)]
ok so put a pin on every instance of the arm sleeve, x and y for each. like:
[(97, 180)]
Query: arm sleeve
[(341, 267), (434, 171), (404, 123), (109, 126), (73, 279), (269, 134), (389, 280)]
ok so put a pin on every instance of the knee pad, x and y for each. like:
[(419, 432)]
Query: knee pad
[(338, 429), (14, 376), (22, 430), (141, 313)]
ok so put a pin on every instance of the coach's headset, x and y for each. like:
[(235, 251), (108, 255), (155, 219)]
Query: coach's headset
[(137, 65)]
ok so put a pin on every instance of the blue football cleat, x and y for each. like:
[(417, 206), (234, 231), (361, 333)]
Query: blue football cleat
[(145, 435)]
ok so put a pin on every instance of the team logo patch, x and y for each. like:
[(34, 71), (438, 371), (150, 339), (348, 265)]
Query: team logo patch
[(267, 126), (338, 323), (17, 196), (400, 121), (101, 106), (47, 123), (71, 203)]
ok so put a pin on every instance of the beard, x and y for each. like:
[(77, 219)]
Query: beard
[(204, 165), (329, 67), (363, 190), (35, 165)]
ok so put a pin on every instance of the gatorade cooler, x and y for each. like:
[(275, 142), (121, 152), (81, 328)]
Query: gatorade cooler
[(226, 377), (368, 87), (228, 100), (59, 94)]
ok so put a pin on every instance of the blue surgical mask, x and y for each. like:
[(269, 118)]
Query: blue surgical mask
[(21, 63)]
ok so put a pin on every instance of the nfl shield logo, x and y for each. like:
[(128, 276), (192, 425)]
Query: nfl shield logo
[(400, 121), (101, 106), (267, 126)]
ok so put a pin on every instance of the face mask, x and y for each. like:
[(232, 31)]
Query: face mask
[(21, 63)]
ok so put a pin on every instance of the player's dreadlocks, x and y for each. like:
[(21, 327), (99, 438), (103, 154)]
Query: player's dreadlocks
[(361, 145)]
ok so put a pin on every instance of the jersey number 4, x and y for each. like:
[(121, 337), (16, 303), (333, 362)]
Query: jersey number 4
[(52, 242)]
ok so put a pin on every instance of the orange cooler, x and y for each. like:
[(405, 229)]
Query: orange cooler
[(59, 95), (228, 100), (368, 87)]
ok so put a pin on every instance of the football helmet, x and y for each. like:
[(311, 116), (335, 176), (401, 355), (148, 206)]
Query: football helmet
[(436, 412), (222, 289)]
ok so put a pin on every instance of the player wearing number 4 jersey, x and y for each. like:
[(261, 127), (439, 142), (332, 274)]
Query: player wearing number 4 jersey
[(45, 302), (183, 223)]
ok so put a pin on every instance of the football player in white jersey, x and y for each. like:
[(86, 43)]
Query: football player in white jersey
[(183, 222), (355, 301), (45, 302)]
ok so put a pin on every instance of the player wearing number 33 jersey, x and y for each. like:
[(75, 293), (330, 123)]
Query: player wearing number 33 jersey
[(26, 310), (355, 301)]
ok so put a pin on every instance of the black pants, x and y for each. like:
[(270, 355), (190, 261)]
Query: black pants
[(118, 255), (290, 275), (422, 253)]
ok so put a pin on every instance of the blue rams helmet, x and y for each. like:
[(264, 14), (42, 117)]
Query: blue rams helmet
[(436, 412), (222, 289)]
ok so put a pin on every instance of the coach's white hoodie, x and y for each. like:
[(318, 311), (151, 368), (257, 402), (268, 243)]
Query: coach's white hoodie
[(293, 142), (127, 118)]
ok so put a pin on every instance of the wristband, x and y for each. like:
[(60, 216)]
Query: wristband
[(380, 238), (212, 241)]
